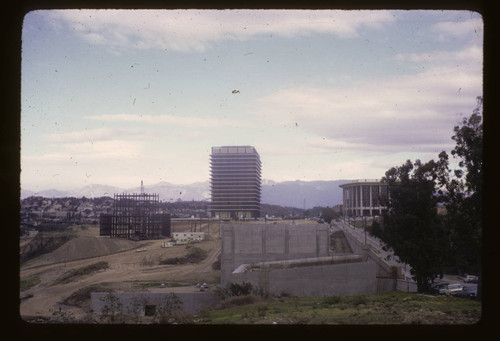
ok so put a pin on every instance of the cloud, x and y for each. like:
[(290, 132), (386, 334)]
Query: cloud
[(459, 28), (80, 136), (171, 120), (414, 113), (468, 57), (198, 30), (89, 151)]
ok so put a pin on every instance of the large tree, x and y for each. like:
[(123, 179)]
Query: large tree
[(430, 243), (465, 193), (412, 227)]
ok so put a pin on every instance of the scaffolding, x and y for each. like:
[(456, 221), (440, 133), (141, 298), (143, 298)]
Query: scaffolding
[(136, 216)]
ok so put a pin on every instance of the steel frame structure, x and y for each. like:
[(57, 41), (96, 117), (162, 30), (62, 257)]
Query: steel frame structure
[(136, 216)]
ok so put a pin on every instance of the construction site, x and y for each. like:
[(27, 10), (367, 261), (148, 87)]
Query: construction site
[(135, 216), (301, 259)]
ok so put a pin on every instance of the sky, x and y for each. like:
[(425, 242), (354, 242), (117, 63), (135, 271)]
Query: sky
[(114, 97)]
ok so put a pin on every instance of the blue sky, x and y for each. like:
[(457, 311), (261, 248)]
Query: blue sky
[(115, 97)]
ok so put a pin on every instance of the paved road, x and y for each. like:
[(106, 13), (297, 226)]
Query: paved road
[(375, 243)]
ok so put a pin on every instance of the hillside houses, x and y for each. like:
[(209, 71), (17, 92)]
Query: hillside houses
[(36, 210)]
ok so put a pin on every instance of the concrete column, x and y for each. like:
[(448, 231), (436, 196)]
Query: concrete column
[(344, 201), (361, 199), (371, 203)]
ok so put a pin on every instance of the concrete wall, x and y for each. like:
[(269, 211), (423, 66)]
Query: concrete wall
[(255, 243), (384, 269), (309, 279), (192, 302)]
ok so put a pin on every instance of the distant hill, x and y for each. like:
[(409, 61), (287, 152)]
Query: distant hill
[(303, 193), (298, 194)]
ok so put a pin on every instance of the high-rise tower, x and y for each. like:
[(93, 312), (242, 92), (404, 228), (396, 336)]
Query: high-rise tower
[(235, 182)]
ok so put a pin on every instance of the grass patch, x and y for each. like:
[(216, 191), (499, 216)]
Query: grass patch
[(28, 283), (80, 272), (194, 255), (381, 308)]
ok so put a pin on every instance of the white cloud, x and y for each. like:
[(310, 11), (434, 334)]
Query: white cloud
[(80, 136), (196, 30), (414, 113), (171, 120), (81, 151), (469, 57), (459, 28)]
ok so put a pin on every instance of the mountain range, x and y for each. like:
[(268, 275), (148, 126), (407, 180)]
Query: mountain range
[(300, 194)]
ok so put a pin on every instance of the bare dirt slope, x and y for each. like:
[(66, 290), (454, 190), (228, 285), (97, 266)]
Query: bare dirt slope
[(127, 268)]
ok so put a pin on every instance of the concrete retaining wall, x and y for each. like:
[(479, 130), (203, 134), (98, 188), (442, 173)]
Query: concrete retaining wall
[(383, 268), (405, 285), (191, 302), (255, 243), (388, 276), (314, 280)]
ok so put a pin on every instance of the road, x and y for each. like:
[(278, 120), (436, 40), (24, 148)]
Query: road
[(376, 245)]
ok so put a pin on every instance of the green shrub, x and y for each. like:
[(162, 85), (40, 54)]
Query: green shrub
[(358, 300), (243, 289), (261, 310), (329, 300)]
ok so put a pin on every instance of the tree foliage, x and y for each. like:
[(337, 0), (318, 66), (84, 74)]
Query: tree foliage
[(465, 193), (420, 237), (328, 214), (413, 229)]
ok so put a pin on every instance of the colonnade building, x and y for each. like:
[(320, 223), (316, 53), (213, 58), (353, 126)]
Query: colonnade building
[(363, 197), (235, 182)]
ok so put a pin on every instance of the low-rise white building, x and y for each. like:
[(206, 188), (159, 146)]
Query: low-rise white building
[(188, 237)]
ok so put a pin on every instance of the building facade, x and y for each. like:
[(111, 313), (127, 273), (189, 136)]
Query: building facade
[(235, 182), (363, 197)]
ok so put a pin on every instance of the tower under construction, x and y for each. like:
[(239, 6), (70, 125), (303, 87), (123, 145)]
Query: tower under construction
[(136, 216)]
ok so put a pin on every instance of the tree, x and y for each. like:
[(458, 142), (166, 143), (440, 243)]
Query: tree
[(165, 312), (412, 227), (465, 193), (112, 309), (329, 214)]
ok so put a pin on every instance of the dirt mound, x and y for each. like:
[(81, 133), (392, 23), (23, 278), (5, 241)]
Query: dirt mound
[(82, 248)]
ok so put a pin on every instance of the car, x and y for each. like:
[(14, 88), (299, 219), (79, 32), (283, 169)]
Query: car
[(437, 287), (468, 292), (452, 289), (470, 279)]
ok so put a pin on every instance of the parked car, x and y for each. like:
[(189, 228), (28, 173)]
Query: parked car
[(436, 288), (468, 292), (470, 279), (452, 289)]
